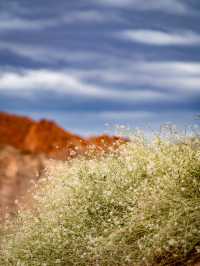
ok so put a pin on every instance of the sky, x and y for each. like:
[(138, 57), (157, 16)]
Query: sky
[(92, 65)]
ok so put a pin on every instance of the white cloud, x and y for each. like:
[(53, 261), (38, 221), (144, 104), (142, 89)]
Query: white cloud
[(160, 38), (28, 82), (174, 77), (33, 80), (169, 6), (8, 22), (175, 68), (94, 16), (180, 76), (48, 54)]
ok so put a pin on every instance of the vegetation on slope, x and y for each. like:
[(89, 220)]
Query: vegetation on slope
[(140, 206)]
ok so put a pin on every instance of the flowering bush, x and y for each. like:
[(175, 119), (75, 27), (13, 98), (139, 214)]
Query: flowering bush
[(140, 206)]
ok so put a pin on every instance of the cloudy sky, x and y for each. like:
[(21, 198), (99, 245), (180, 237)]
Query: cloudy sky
[(87, 63)]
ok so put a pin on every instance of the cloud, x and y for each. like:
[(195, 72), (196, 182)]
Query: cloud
[(175, 68), (48, 54), (161, 38), (169, 6), (10, 22), (87, 16), (171, 76), (29, 82)]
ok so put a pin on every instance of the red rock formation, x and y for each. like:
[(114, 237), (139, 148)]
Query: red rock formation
[(13, 129), (105, 141), (48, 138)]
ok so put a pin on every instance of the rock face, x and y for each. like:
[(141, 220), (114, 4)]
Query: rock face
[(25, 146), (48, 138), (13, 130)]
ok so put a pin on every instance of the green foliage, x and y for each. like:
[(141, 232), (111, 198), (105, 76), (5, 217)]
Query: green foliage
[(138, 207)]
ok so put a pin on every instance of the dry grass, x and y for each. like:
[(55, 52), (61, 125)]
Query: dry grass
[(138, 207)]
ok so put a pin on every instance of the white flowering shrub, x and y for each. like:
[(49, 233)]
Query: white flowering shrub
[(140, 206)]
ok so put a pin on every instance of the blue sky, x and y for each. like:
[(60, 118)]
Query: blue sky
[(87, 63)]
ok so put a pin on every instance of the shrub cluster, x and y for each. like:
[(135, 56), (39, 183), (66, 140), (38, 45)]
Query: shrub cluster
[(140, 206)]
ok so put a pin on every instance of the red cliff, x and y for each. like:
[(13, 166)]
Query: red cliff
[(47, 137)]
